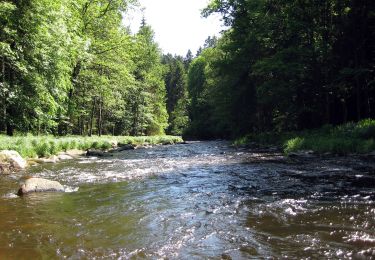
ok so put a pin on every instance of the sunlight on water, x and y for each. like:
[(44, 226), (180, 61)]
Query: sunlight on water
[(199, 200)]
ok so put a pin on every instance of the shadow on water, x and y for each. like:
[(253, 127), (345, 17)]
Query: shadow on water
[(202, 200)]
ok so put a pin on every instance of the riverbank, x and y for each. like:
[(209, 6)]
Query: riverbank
[(358, 138), (41, 149)]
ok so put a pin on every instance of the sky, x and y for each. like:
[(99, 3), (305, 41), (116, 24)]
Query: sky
[(177, 24)]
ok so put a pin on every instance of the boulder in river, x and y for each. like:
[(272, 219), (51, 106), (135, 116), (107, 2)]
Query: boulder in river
[(74, 153), (98, 153), (13, 159), (39, 185), (124, 147), (52, 159), (114, 143), (64, 157), (5, 168)]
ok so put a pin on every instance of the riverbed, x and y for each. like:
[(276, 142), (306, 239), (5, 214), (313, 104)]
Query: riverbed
[(193, 201)]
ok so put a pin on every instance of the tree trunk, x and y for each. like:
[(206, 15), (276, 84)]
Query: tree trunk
[(328, 109), (10, 129), (100, 116), (92, 115), (357, 91), (344, 111), (368, 101), (3, 125), (9, 113)]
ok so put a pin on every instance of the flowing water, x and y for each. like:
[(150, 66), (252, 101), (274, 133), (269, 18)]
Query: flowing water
[(196, 201)]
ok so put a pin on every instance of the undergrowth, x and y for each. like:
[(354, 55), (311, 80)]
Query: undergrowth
[(43, 146), (343, 139)]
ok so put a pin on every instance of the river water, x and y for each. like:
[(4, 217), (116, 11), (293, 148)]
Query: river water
[(196, 201)]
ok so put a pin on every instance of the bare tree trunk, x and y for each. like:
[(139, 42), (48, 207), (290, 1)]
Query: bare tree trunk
[(92, 115), (9, 110), (100, 116), (368, 102), (328, 109), (357, 91), (345, 111), (4, 107), (82, 126), (38, 133)]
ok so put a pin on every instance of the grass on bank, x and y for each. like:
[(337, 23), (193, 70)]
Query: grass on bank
[(43, 146), (343, 139)]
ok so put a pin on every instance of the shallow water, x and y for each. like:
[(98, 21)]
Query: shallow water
[(201, 200)]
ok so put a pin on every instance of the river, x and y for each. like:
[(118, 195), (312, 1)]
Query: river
[(195, 201)]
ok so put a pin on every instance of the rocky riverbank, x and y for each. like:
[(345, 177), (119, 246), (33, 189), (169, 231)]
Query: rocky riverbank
[(49, 150), (11, 161)]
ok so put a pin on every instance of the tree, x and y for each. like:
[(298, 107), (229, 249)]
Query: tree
[(284, 65), (188, 59), (176, 86)]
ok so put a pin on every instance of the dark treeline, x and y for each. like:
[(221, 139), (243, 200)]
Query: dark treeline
[(284, 65), (175, 78), (71, 67)]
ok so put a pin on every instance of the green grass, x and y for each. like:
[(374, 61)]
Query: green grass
[(43, 146), (343, 139)]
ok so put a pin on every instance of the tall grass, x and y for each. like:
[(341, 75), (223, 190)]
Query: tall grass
[(43, 146), (343, 139)]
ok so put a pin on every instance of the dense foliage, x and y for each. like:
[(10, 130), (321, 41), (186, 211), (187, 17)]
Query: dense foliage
[(284, 65), (72, 67), (176, 86)]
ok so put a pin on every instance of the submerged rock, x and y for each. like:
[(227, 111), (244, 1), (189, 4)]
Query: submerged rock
[(32, 162), (52, 159), (302, 154), (12, 158), (39, 185)]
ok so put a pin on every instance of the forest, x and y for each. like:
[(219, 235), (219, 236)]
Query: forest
[(72, 67)]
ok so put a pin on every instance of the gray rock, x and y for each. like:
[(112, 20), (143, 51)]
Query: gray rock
[(13, 158), (302, 153), (52, 159), (74, 153), (98, 153), (39, 185), (114, 143), (124, 147), (5, 168), (64, 157), (121, 148)]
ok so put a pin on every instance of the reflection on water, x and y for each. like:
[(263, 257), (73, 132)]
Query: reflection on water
[(198, 200)]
